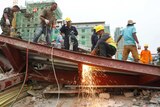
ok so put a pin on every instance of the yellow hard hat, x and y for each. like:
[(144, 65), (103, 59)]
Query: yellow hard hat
[(145, 45), (68, 19), (99, 27)]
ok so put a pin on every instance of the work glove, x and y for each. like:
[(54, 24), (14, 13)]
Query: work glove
[(46, 21), (139, 46), (7, 22)]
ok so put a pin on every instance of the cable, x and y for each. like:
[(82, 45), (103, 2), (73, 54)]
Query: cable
[(26, 75), (55, 76)]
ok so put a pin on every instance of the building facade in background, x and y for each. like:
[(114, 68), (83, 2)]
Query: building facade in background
[(85, 31), (117, 33), (28, 19)]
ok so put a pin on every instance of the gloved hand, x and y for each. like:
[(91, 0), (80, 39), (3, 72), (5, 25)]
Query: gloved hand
[(46, 21), (7, 22), (139, 46)]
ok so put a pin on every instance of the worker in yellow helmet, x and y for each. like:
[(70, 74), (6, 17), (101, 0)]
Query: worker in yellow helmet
[(105, 46), (70, 32), (145, 56)]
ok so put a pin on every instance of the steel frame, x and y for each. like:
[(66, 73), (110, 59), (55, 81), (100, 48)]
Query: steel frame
[(144, 74)]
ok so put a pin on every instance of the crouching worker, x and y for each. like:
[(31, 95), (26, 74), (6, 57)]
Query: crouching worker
[(105, 46)]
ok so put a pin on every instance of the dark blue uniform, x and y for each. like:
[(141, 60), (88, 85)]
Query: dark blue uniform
[(94, 40), (68, 32)]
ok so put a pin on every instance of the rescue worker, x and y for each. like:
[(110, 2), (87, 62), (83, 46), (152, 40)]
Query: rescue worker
[(48, 21), (94, 38), (70, 32), (105, 46), (145, 56), (6, 20), (130, 40)]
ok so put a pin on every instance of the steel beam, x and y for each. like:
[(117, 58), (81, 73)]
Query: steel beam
[(85, 59), (64, 77), (14, 57), (148, 79), (11, 81), (114, 79), (72, 77)]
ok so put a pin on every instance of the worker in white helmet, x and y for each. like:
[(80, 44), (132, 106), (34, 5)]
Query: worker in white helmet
[(145, 56), (130, 40)]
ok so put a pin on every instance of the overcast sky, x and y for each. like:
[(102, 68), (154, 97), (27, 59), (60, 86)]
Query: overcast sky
[(146, 14)]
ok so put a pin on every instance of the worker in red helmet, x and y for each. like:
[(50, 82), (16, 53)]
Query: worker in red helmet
[(145, 56), (105, 46)]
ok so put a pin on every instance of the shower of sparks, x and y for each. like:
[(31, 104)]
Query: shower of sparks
[(89, 81)]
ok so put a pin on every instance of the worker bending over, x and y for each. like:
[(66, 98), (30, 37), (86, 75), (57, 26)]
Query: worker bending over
[(6, 20), (105, 46)]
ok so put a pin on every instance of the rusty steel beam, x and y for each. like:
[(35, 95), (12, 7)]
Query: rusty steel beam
[(85, 59), (114, 86), (148, 79), (72, 77), (11, 81), (100, 78), (14, 57), (64, 77)]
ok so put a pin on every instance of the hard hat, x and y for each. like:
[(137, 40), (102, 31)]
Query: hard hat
[(145, 45), (68, 19), (99, 27), (131, 22)]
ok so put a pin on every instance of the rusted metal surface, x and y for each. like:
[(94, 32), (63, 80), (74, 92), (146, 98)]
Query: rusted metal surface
[(11, 81), (64, 77), (60, 91), (14, 57), (85, 59), (72, 77), (114, 79), (112, 86), (112, 72), (147, 79)]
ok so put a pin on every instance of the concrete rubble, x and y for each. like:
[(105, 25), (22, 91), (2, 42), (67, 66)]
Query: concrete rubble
[(7, 75), (146, 98)]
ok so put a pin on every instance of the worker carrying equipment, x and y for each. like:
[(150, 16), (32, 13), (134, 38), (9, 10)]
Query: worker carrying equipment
[(70, 32)]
